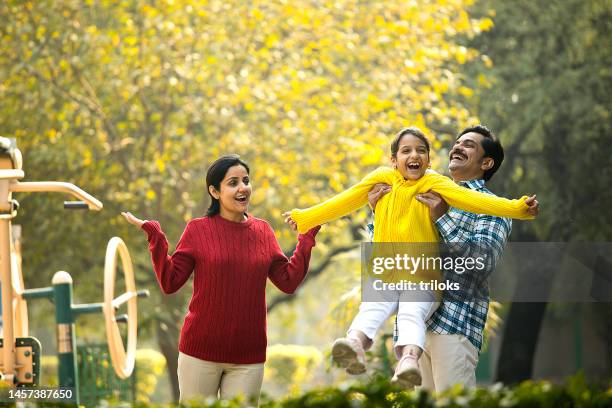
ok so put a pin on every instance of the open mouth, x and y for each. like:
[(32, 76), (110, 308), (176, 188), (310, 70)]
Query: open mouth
[(413, 166), (243, 199), (458, 156)]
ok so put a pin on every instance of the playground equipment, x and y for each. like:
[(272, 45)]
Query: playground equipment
[(20, 354)]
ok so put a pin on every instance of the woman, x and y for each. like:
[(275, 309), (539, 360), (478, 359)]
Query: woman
[(222, 347)]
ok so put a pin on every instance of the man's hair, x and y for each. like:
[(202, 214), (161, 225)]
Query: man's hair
[(491, 146), (408, 131)]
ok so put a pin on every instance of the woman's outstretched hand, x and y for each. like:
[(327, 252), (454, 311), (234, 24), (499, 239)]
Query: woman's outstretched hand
[(290, 221), (132, 220)]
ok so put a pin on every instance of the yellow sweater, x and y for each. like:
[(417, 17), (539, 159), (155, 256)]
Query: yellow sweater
[(399, 217)]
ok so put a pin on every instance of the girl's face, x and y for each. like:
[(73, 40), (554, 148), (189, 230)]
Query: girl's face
[(235, 193), (412, 159)]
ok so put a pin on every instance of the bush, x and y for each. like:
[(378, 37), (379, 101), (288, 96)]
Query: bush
[(290, 366), (576, 393), (150, 365), (379, 393), (48, 371)]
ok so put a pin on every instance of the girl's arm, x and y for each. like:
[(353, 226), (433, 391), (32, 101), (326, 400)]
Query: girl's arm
[(287, 274), (341, 204), (477, 202), (171, 271)]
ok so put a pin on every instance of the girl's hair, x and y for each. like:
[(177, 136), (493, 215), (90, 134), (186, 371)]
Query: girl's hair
[(216, 173), (407, 131)]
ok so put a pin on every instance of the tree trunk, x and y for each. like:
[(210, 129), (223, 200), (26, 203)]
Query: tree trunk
[(168, 345), (521, 334)]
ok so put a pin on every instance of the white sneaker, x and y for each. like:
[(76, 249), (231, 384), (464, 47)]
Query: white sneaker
[(407, 373), (348, 353)]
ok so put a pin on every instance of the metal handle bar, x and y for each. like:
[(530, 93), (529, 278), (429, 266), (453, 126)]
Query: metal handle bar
[(76, 205), (124, 318), (6, 174), (57, 186)]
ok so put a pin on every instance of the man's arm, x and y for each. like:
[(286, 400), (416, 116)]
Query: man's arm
[(487, 240)]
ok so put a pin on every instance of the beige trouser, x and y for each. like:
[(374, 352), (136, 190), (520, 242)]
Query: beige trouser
[(200, 378), (448, 359)]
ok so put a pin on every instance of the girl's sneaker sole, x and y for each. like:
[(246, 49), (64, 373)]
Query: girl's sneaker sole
[(344, 355)]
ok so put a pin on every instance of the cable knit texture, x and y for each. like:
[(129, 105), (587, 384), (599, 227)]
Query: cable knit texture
[(399, 217), (230, 262)]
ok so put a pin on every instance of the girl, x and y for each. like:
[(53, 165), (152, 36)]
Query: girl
[(231, 254), (400, 218)]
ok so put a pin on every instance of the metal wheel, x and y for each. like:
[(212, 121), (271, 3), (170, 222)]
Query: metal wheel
[(123, 359)]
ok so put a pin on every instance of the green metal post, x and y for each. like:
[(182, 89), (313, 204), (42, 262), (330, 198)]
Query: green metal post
[(66, 339), (578, 337)]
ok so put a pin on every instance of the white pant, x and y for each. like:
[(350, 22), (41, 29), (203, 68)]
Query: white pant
[(448, 359), (411, 316), (200, 378)]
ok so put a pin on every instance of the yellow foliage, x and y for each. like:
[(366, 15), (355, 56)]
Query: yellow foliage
[(465, 91), (151, 365), (309, 93), (290, 366), (161, 165), (485, 24), (48, 371)]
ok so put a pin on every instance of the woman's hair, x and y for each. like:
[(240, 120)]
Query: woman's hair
[(407, 131), (216, 173)]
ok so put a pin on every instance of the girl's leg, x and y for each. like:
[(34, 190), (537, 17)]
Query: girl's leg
[(371, 316), (349, 351), (198, 378), (242, 379), (411, 324), (411, 318)]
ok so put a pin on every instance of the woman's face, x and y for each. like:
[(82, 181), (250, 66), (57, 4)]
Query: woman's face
[(412, 157), (235, 192)]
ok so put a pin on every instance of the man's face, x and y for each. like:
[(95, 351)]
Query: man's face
[(467, 159)]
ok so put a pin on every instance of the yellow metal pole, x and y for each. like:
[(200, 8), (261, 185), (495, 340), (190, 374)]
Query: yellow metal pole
[(8, 336)]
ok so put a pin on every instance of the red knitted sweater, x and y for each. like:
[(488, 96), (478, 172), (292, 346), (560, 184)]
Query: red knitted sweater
[(230, 261)]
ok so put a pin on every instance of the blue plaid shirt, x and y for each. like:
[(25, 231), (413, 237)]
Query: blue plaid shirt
[(470, 235)]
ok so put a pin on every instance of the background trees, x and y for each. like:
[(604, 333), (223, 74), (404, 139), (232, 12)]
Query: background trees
[(132, 100), (547, 95)]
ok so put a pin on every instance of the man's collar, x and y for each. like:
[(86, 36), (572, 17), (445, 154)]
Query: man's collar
[(473, 184)]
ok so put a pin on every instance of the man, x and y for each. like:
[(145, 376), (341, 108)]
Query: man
[(455, 330)]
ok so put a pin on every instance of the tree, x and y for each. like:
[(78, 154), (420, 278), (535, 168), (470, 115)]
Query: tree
[(131, 100), (547, 96)]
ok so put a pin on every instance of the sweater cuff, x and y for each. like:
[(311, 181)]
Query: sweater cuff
[(151, 227), (300, 219), (525, 207), (310, 235)]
